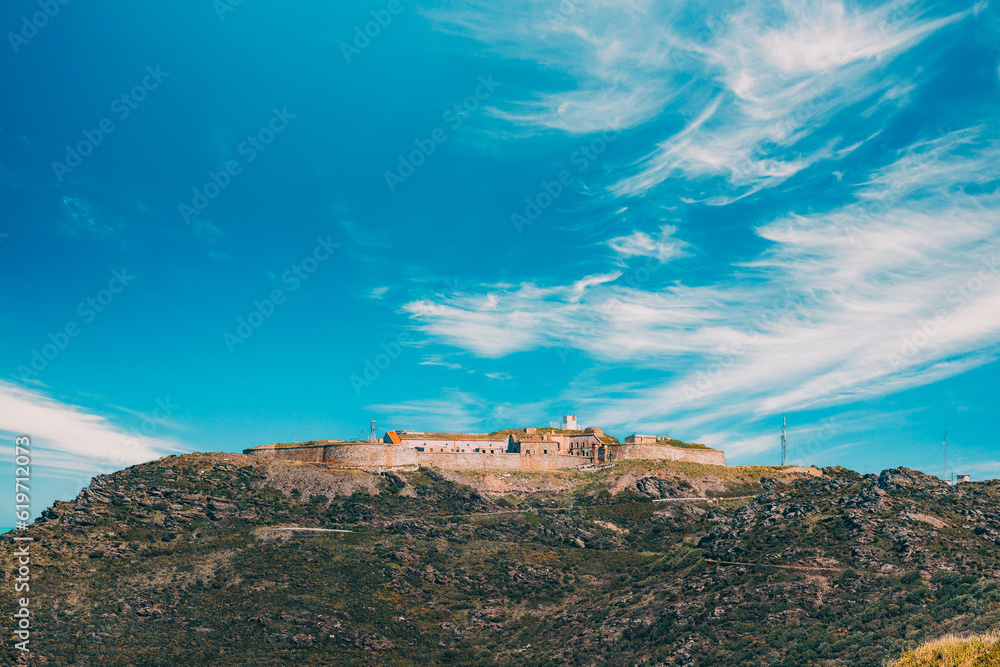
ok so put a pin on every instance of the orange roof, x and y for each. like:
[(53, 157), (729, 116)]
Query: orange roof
[(394, 437)]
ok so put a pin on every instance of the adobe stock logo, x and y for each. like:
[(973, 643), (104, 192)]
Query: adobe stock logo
[(122, 107), (381, 18), (37, 21), (223, 7), (249, 149), (87, 310), (374, 367), (454, 117), (927, 330), (582, 158), (293, 277)]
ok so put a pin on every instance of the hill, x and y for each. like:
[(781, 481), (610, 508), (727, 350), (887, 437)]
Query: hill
[(189, 560)]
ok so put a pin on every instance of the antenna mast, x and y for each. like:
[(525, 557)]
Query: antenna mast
[(945, 446), (371, 435), (784, 441)]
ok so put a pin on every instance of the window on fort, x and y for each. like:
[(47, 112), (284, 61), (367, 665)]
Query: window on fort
[(545, 451)]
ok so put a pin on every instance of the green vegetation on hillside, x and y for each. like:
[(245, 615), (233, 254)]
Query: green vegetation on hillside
[(178, 562), (684, 445)]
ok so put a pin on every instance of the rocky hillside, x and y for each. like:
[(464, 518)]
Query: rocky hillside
[(190, 561)]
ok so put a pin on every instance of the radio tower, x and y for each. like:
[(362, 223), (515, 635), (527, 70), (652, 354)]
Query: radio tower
[(945, 445), (784, 442), (371, 435)]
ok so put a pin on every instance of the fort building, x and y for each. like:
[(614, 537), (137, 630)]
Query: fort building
[(532, 448)]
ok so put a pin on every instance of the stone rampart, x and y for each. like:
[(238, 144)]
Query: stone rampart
[(479, 461), (668, 453), (309, 453), (379, 455), (348, 455), (375, 455)]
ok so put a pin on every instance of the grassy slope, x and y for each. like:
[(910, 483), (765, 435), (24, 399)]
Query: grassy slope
[(167, 563), (952, 651)]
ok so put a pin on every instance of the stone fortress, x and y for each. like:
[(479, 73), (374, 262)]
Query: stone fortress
[(538, 448)]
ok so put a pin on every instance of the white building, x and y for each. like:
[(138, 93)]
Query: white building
[(443, 443)]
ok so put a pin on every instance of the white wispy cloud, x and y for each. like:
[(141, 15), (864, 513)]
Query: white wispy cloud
[(663, 247), (81, 217), (439, 360), (864, 299), (617, 55), (71, 439), (897, 289), (744, 89), (980, 470), (786, 74)]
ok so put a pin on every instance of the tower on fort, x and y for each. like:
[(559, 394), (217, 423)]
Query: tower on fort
[(569, 422)]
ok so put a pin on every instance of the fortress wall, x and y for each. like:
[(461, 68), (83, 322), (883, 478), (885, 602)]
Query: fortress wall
[(474, 461), (369, 456), (668, 453), (379, 455), (309, 454), (375, 455)]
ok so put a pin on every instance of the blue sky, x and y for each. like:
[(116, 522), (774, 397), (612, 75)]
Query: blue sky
[(232, 224)]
